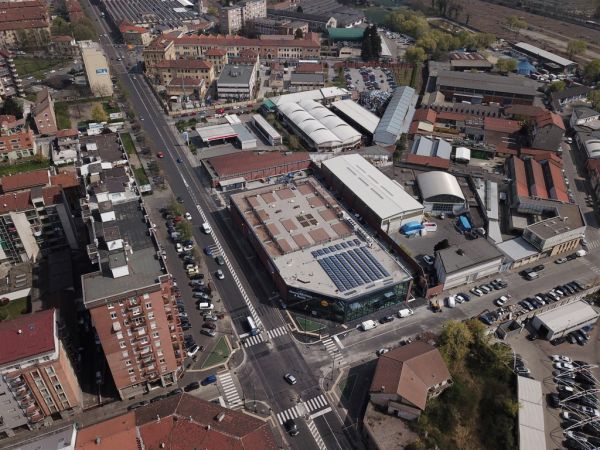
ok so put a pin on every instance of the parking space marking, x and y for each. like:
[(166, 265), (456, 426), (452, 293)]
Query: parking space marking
[(232, 396), (593, 244)]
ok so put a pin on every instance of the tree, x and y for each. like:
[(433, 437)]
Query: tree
[(505, 65), (98, 113), (591, 71), (594, 98), (60, 27), (455, 340), (371, 44), (557, 86), (12, 107), (298, 34), (299, 9), (515, 23), (415, 55), (441, 245), (576, 47), (185, 228)]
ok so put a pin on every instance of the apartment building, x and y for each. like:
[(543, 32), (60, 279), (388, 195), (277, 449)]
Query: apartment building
[(233, 18), (18, 145), (24, 21), (218, 58), (129, 296), (43, 113), (37, 380), (10, 83), (36, 215), (264, 26), (198, 69), (237, 82), (65, 147)]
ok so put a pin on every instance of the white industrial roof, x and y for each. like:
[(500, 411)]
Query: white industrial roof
[(348, 135), (532, 434), (517, 249), (438, 147), (215, 132), (385, 197), (559, 318), (315, 94), (314, 129), (353, 110), (435, 183), (397, 116), (545, 54), (463, 153), (266, 126)]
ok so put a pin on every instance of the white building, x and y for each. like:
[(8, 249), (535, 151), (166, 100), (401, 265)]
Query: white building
[(96, 69), (441, 193), (237, 82), (561, 320)]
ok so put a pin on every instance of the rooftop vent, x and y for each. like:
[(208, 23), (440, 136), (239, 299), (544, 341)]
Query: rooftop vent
[(220, 417), (460, 251)]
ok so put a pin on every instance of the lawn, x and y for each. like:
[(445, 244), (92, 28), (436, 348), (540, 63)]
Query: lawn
[(30, 66), (15, 308), (308, 325), (219, 355), (27, 166), (140, 176), (110, 109), (128, 143), (62, 115)]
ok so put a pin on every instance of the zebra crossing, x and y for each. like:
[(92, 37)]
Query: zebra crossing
[(303, 408), (595, 269), (316, 435), (333, 350), (229, 390), (593, 244), (249, 341)]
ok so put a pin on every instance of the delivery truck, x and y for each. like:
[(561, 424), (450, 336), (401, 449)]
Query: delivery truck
[(368, 325)]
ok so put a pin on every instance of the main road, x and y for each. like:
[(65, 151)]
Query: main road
[(244, 291)]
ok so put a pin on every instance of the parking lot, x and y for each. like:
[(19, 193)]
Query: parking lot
[(369, 79)]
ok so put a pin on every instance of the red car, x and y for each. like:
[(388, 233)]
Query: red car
[(177, 219), (160, 155), (220, 111)]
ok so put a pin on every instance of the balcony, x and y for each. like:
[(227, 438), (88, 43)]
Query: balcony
[(146, 349)]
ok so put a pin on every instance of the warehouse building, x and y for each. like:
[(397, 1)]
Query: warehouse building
[(226, 132), (360, 118), (319, 263), (548, 59), (561, 320), (96, 69), (397, 116), (382, 202), (441, 193), (266, 130), (235, 170)]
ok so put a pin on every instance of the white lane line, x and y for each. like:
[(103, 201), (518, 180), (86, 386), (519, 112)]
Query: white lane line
[(321, 413)]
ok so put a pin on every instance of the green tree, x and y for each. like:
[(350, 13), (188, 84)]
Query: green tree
[(298, 34), (299, 9), (515, 23), (505, 65), (84, 30), (176, 208), (591, 71), (60, 27), (185, 228), (576, 47), (455, 340), (12, 107), (594, 98), (98, 113), (371, 44), (557, 86), (415, 55)]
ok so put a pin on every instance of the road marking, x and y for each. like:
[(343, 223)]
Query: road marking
[(249, 341), (338, 342), (314, 404), (229, 390), (332, 349), (277, 332), (593, 244), (315, 433), (321, 413)]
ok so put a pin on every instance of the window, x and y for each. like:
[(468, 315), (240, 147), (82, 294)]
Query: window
[(161, 360), (50, 370), (122, 344), (150, 315), (119, 335), (128, 362), (155, 334), (159, 352), (132, 379), (157, 343), (130, 371), (62, 397), (125, 354), (144, 340), (113, 315), (110, 305), (148, 305), (153, 325)]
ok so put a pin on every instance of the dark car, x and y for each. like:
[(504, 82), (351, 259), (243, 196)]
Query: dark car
[(386, 319), (158, 398), (219, 260), (557, 341), (209, 380), (192, 386), (291, 427), (571, 257), (209, 325), (553, 400), (466, 297), (538, 268), (137, 405), (175, 392)]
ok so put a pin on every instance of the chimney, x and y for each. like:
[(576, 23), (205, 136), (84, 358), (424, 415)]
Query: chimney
[(382, 388), (19, 331), (97, 440)]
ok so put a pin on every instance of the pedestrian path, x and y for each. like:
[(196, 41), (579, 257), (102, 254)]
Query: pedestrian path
[(333, 350), (229, 390), (314, 405), (249, 341), (277, 332), (316, 435)]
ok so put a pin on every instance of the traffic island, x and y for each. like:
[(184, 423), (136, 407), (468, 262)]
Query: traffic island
[(219, 355)]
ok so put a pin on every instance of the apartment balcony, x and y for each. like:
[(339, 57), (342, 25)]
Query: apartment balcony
[(145, 349), (149, 361), (38, 417)]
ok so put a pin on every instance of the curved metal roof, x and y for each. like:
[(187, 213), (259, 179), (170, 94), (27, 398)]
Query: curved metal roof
[(347, 134), (437, 183), (310, 126)]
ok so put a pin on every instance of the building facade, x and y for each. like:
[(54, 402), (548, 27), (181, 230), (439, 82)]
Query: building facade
[(26, 21), (233, 18), (96, 69), (10, 83), (167, 70), (43, 113)]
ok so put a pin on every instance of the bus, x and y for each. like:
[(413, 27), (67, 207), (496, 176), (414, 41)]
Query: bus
[(252, 326)]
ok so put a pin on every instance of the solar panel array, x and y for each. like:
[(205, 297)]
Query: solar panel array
[(350, 265)]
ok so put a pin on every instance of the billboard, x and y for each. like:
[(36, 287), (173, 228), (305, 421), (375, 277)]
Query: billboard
[(102, 71)]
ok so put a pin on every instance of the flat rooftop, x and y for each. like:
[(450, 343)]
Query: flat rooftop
[(144, 266), (515, 84), (568, 218), (557, 319), (312, 243), (216, 132), (468, 254), (235, 75), (358, 114)]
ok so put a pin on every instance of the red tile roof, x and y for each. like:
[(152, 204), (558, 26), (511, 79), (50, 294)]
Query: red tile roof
[(25, 140), (309, 68), (64, 180), (186, 82), (69, 132), (184, 64), (61, 38), (537, 185), (524, 110), (428, 161), (23, 15), (501, 125), (27, 336), (233, 41), (239, 163), (558, 190), (127, 27), (520, 180), (25, 180), (425, 115), (116, 433), (549, 118)]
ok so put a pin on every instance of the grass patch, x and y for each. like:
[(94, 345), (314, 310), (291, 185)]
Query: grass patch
[(140, 176), (377, 15), (306, 324), (63, 119), (128, 143), (29, 66), (346, 386), (26, 166), (110, 109), (14, 308), (219, 354)]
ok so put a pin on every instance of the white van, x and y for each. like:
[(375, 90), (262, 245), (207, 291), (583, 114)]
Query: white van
[(405, 312), (206, 228), (451, 301), (532, 275), (368, 325), (581, 253), (206, 306)]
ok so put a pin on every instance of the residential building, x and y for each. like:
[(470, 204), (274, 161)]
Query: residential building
[(568, 95), (188, 87), (198, 69), (10, 83), (407, 377), (63, 46), (233, 18), (96, 69), (24, 21), (321, 261), (547, 132), (129, 294), (218, 58), (36, 215), (264, 26), (234, 170), (10, 125), (37, 378), (315, 22), (43, 114), (134, 35), (74, 10), (382, 202), (583, 115), (18, 145), (65, 147), (237, 82)]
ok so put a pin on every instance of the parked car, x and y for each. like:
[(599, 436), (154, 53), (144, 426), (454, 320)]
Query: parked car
[(210, 333), (219, 260), (219, 274), (563, 365), (291, 379), (209, 380), (137, 405), (476, 292), (381, 351), (192, 386), (209, 325), (193, 350), (291, 427), (553, 400), (561, 260), (561, 358), (465, 297), (501, 301), (428, 260), (386, 319)]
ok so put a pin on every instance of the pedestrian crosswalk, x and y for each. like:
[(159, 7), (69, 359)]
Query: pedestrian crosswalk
[(303, 408), (333, 350), (593, 244), (229, 390), (249, 341), (276, 332), (595, 269), (316, 435)]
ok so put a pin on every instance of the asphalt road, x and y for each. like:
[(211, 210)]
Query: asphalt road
[(269, 361)]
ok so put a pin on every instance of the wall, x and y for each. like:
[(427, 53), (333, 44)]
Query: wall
[(468, 275)]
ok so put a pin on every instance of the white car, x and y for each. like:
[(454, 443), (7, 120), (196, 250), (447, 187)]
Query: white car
[(589, 411), (561, 358), (501, 301), (179, 247), (476, 291), (428, 259), (220, 275), (188, 248), (381, 351), (290, 378), (563, 366), (187, 216), (193, 350)]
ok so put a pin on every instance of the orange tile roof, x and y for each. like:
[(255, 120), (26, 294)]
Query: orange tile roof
[(69, 132), (501, 125), (61, 38), (64, 180), (25, 140), (127, 27), (23, 15), (428, 161), (232, 41), (520, 177), (117, 433), (558, 190), (184, 64), (25, 180), (549, 118), (36, 336), (537, 185), (425, 115)]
